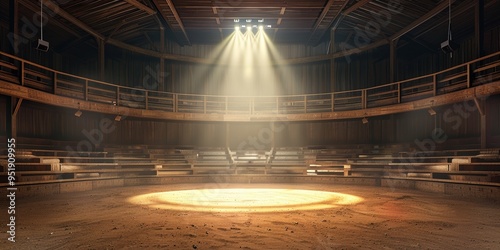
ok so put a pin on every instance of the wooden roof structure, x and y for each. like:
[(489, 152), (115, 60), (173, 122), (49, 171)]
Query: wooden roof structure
[(76, 25)]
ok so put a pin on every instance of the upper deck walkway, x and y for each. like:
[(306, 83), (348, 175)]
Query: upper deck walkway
[(476, 79)]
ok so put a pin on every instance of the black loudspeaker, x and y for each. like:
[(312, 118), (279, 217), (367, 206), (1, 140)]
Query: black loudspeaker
[(42, 45), (449, 46)]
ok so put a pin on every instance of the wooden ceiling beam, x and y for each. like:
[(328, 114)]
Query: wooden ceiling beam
[(422, 19), (178, 19), (442, 6), (330, 24), (52, 6), (28, 4), (322, 15), (56, 9), (141, 6), (355, 7)]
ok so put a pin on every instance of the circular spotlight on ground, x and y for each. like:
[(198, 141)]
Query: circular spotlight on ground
[(249, 200)]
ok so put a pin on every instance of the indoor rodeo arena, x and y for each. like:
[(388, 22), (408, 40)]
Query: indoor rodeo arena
[(263, 124)]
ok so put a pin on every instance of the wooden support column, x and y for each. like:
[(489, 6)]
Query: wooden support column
[(13, 106), (479, 27), (12, 102), (393, 60), (161, 73), (332, 61), (481, 106), (101, 60)]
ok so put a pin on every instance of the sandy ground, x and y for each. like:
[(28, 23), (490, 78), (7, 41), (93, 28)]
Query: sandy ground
[(352, 217)]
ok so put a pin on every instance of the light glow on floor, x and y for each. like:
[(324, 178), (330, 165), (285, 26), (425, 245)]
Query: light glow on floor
[(234, 200)]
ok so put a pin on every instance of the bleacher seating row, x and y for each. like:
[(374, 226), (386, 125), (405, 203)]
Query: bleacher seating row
[(45, 164)]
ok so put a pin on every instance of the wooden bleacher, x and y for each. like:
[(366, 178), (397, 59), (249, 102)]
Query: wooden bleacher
[(50, 163)]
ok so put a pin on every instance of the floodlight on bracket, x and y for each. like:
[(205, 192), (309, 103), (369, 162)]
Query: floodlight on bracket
[(42, 45)]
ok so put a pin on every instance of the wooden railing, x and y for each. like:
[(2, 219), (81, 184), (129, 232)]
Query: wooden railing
[(480, 71)]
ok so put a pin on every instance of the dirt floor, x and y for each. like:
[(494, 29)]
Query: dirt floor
[(253, 216)]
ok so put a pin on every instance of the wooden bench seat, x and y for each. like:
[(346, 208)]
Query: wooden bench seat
[(57, 152), (479, 176), (27, 176), (104, 166)]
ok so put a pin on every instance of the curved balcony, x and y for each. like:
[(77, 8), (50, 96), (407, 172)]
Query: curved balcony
[(475, 79)]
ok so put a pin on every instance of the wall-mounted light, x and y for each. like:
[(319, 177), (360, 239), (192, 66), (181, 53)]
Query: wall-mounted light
[(236, 20), (78, 113), (118, 118), (364, 120), (431, 111), (249, 20), (261, 20)]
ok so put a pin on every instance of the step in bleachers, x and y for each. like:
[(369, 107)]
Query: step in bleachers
[(55, 163)]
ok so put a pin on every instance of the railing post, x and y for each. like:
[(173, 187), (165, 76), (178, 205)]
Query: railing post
[(277, 105), (399, 92), (55, 82), (204, 104), (175, 100), (226, 103), (252, 104), (21, 73), (469, 76), (86, 90), (147, 100), (364, 99), (434, 84), (333, 102), (117, 96), (305, 104)]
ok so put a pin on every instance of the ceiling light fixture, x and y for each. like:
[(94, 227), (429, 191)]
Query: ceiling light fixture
[(42, 45)]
